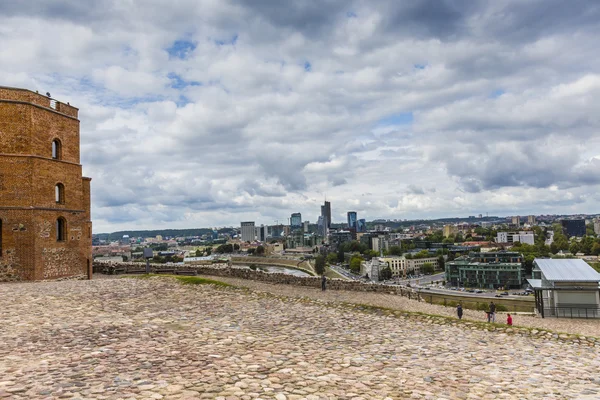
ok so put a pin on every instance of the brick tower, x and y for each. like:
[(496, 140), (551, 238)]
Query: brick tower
[(45, 221)]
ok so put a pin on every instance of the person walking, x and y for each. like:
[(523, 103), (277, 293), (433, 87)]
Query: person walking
[(459, 311), (492, 312), (323, 282), (508, 320)]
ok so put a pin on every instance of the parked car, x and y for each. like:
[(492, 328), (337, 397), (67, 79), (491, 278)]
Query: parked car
[(479, 291), (504, 293), (498, 295)]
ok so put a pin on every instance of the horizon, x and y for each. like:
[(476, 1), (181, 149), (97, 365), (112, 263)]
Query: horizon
[(396, 220), (211, 113)]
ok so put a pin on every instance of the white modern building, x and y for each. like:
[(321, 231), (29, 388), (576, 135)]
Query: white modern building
[(248, 231), (597, 226), (402, 267), (512, 237), (565, 288)]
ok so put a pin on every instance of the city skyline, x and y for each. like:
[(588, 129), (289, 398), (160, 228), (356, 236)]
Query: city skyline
[(203, 113)]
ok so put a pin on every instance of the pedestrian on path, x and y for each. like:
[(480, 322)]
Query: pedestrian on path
[(508, 319), (323, 282), (492, 312), (459, 311)]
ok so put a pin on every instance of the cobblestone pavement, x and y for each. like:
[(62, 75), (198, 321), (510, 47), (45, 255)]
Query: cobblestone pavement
[(155, 338), (589, 327)]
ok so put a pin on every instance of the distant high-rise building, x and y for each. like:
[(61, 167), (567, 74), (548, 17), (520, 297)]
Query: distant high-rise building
[(215, 234), (248, 232), (296, 220), (573, 227), (531, 219), (262, 233), (326, 213), (361, 225), (516, 221), (305, 225), (352, 220)]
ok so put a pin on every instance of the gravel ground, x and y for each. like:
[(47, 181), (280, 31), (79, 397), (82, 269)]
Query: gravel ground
[(156, 338)]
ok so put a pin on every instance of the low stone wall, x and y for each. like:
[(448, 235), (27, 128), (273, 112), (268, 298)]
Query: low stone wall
[(278, 262), (278, 278)]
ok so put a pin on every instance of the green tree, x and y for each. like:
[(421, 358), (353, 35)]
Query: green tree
[(385, 274), (320, 265), (395, 251), (332, 258), (208, 251), (251, 251), (441, 263), (355, 263), (340, 255), (427, 268), (596, 249), (574, 248), (260, 250), (236, 247)]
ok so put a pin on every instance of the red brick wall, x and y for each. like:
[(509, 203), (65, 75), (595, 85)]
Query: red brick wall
[(28, 176)]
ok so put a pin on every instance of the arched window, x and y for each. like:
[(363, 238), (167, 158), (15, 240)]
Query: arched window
[(61, 229), (59, 193), (56, 149)]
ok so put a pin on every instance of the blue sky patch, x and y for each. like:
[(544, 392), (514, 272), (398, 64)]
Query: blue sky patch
[(181, 49), (397, 119), (420, 66), (351, 14), (177, 82), (307, 67), (497, 93), (229, 42)]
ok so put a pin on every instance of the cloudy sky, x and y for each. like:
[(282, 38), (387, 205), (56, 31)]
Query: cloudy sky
[(198, 113)]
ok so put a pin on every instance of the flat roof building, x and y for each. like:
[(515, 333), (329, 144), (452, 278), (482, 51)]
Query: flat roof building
[(565, 288), (486, 270)]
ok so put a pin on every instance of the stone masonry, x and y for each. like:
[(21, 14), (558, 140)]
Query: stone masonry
[(39, 151)]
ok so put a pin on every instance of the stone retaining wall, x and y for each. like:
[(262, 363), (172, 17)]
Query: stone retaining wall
[(278, 278)]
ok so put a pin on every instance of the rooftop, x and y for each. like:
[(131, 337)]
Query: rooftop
[(567, 270)]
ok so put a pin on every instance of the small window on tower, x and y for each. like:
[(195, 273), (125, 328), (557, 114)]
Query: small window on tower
[(59, 193), (56, 149), (61, 229)]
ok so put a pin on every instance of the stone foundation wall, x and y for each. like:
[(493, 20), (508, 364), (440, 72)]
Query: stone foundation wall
[(246, 273)]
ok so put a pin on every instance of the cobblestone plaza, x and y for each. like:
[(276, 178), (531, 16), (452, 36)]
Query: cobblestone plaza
[(156, 338)]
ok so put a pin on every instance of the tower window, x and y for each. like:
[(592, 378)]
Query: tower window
[(61, 229), (59, 193), (56, 149)]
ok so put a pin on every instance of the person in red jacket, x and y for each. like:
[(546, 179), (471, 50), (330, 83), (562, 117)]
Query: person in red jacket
[(508, 319)]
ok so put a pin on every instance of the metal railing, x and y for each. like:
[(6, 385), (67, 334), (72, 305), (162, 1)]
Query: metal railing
[(572, 312)]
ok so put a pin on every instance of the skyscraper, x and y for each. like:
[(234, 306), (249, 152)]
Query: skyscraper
[(326, 213), (248, 231), (361, 225), (296, 220), (352, 220)]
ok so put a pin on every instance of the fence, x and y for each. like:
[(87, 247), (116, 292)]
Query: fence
[(571, 312)]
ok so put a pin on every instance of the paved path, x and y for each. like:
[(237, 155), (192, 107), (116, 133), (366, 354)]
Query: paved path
[(155, 338)]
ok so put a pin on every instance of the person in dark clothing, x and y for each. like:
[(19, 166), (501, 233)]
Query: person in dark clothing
[(323, 282), (492, 313), (459, 311)]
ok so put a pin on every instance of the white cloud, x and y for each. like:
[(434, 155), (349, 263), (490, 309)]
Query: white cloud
[(268, 107)]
